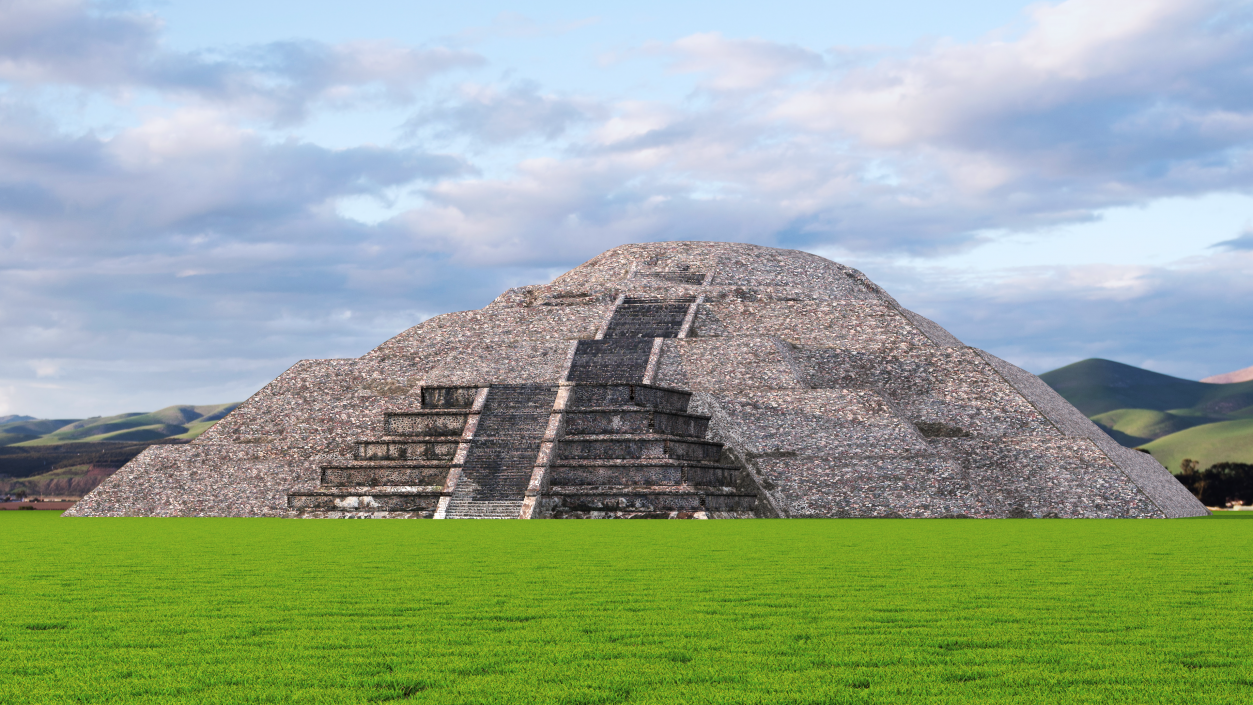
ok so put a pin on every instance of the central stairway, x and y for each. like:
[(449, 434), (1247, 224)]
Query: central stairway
[(628, 449), (604, 443), (502, 454), (634, 451)]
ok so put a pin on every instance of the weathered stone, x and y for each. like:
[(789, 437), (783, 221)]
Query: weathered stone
[(670, 380)]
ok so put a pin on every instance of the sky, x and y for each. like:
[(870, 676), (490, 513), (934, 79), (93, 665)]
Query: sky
[(195, 195)]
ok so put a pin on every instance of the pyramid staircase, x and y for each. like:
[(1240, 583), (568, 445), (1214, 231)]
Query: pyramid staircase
[(634, 451), (502, 456), (407, 472), (604, 443)]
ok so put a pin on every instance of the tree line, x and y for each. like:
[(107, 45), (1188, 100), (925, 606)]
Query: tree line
[(1218, 485)]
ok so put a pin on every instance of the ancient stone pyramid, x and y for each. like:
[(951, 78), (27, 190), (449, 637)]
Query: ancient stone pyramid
[(686, 379)]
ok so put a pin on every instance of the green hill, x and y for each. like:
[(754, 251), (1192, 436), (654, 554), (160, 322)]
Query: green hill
[(1223, 442), (69, 457), (1097, 386), (170, 422), (1170, 417), (1144, 425)]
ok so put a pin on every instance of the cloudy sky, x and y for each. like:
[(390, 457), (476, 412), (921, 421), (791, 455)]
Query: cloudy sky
[(196, 194)]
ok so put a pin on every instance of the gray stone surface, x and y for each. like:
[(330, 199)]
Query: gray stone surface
[(938, 335), (806, 390), (1149, 475)]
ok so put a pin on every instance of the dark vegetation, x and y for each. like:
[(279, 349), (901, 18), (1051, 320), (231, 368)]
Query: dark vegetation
[(27, 461), (1220, 484), (67, 469)]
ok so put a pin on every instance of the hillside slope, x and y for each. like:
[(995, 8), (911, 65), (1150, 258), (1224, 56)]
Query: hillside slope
[(1170, 417), (180, 421), (69, 457), (1096, 386), (1223, 442)]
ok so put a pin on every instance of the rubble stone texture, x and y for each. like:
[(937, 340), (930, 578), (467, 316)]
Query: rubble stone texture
[(679, 380)]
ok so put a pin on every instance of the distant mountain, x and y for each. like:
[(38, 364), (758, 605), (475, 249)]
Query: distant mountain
[(30, 429), (1170, 417), (181, 422), (1244, 375), (1096, 386), (69, 457)]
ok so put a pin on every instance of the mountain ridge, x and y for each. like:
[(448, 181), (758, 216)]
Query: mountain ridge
[(1170, 417), (181, 421), (1243, 375)]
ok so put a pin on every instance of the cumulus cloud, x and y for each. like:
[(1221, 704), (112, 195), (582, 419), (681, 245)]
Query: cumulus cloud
[(62, 41), (1097, 104), (739, 64), (503, 114), (1186, 319), (187, 246), (77, 43), (188, 237), (187, 174)]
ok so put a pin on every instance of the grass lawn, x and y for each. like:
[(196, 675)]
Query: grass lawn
[(750, 611)]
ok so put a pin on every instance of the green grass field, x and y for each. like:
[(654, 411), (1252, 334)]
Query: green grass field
[(794, 611)]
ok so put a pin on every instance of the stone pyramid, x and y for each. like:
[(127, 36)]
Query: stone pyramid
[(679, 380)]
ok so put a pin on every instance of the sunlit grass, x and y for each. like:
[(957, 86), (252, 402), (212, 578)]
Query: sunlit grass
[(875, 611)]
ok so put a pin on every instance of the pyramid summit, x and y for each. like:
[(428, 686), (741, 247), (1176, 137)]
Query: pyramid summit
[(679, 380)]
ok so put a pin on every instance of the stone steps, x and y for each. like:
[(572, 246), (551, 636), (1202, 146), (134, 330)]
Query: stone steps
[(651, 473), (502, 455), (620, 360), (403, 474), (637, 446), (627, 501), (645, 396), (437, 448), (420, 500), (448, 397), (470, 509), (609, 420), (630, 449), (363, 474), (439, 423), (338, 514), (640, 318)]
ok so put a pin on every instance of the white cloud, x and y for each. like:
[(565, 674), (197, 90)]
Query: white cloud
[(502, 114), (1080, 55), (84, 44), (1185, 318), (194, 245), (45, 368), (740, 64)]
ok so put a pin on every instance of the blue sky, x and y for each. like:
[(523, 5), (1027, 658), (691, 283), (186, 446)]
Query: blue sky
[(194, 195)]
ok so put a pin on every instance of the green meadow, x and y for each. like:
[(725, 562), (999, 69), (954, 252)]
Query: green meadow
[(750, 611)]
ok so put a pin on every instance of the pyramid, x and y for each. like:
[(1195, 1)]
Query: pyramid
[(671, 380)]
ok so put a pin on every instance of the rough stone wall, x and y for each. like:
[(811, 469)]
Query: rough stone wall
[(837, 400)]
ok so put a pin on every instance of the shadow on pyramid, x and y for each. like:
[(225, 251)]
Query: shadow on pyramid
[(671, 380)]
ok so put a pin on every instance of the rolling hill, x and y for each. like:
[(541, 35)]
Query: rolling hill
[(181, 421), (1096, 386), (69, 457), (1172, 418)]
